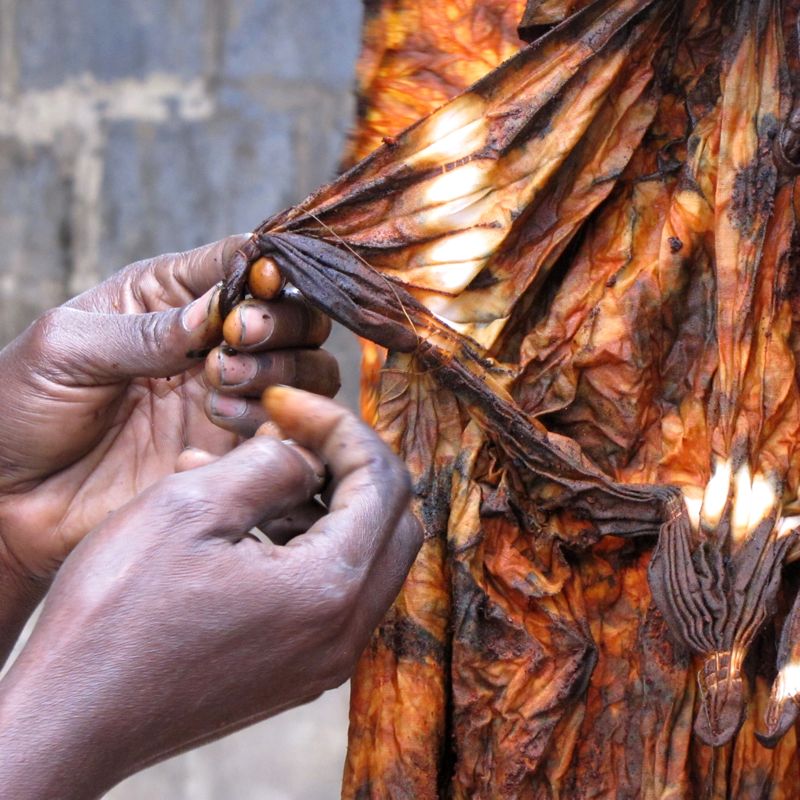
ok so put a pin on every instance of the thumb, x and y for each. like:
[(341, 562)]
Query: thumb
[(113, 347)]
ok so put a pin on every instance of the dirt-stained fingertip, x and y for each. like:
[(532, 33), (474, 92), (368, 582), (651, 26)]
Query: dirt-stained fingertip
[(265, 280)]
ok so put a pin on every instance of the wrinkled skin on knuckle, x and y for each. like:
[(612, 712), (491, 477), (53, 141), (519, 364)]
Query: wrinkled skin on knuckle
[(181, 501), (142, 280), (156, 334), (339, 588), (48, 339)]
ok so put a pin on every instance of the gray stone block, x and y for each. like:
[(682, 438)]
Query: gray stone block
[(276, 75), (34, 209), (111, 40), (183, 183), (297, 40)]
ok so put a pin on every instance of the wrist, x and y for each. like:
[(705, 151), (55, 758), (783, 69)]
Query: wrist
[(20, 593), (51, 743)]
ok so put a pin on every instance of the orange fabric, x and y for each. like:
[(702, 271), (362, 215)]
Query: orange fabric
[(509, 668)]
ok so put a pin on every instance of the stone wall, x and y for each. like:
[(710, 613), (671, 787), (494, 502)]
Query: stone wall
[(135, 127)]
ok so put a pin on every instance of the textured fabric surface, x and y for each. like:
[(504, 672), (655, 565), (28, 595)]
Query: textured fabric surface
[(582, 270)]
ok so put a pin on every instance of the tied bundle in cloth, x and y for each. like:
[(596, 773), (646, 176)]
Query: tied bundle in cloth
[(576, 276)]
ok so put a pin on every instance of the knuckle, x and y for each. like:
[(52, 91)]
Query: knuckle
[(392, 472), (267, 451), (50, 343), (331, 366), (46, 333), (182, 498), (338, 587), (155, 332), (342, 593)]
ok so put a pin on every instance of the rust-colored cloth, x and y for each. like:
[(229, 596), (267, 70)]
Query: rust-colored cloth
[(578, 279), (508, 668)]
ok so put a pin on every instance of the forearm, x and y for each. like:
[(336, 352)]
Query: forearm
[(47, 749)]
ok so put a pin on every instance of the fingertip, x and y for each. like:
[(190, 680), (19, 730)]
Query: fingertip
[(232, 327), (235, 414), (269, 428), (308, 418), (279, 399), (252, 324), (265, 280), (201, 319), (286, 322), (212, 368), (193, 457), (230, 245), (224, 407)]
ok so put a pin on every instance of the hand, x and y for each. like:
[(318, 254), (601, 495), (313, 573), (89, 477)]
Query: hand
[(101, 395), (168, 626), (259, 353)]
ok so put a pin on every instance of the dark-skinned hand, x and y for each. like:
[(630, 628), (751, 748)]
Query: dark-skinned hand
[(101, 395), (169, 626)]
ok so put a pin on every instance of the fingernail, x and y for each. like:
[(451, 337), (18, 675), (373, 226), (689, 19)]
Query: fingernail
[(198, 312), (235, 370), (278, 395), (255, 326), (227, 407)]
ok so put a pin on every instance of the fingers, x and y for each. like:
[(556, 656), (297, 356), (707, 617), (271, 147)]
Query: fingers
[(106, 348), (175, 277), (201, 268), (268, 343), (284, 528), (371, 485), (240, 415), (265, 280), (248, 374), (296, 522), (386, 577), (192, 458), (262, 478), (288, 322), (361, 550)]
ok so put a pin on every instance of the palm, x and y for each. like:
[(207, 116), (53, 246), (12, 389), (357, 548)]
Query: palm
[(89, 447), (154, 420)]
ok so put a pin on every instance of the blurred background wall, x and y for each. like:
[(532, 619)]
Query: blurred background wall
[(130, 128)]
